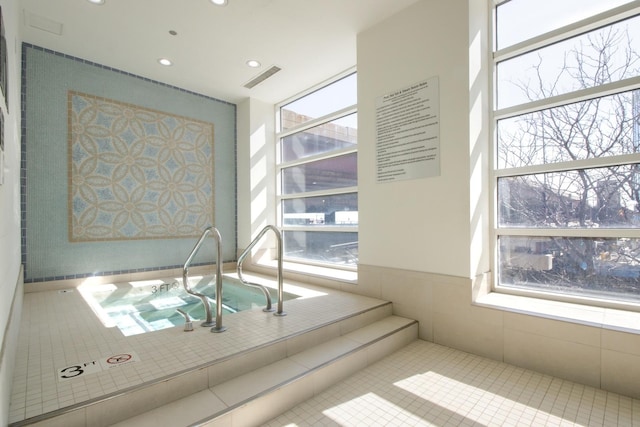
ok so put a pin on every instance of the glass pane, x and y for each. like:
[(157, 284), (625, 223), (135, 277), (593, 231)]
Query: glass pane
[(595, 267), (331, 136), (336, 96), (519, 20), (602, 56), (319, 246), (326, 174), (589, 198), (339, 209), (599, 127)]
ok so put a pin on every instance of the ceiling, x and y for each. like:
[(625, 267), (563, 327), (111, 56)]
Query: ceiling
[(310, 40)]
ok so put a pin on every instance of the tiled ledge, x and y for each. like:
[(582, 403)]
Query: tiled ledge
[(264, 393), (59, 329), (605, 318), (333, 278)]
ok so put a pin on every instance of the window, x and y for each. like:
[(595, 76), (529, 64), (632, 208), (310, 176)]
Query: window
[(318, 175), (567, 149)]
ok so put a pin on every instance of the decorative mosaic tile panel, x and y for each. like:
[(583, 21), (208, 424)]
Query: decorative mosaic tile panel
[(136, 173)]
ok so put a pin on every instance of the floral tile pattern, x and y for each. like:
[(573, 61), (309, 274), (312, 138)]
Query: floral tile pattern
[(136, 173)]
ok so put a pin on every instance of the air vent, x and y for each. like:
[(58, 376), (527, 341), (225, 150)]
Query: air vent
[(262, 77), (44, 24)]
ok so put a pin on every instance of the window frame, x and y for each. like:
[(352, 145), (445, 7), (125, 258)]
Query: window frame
[(498, 55), (280, 165)]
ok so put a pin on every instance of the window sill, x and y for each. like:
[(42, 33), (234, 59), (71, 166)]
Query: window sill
[(313, 271), (599, 317), (326, 272)]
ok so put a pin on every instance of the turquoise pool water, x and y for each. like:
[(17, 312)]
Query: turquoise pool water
[(150, 305)]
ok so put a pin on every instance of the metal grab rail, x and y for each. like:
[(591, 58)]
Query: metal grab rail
[(265, 291), (246, 252), (217, 325)]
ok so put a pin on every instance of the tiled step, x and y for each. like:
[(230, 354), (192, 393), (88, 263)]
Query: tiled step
[(262, 394), (111, 409)]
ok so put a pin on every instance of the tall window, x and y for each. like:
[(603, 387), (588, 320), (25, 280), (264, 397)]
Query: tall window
[(318, 175), (567, 148)]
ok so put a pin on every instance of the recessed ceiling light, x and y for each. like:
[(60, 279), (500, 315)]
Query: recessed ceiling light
[(253, 63), (165, 61), (96, 1), (219, 2)]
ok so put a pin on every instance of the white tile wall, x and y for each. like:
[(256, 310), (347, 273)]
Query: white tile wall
[(425, 384), (598, 347), (582, 353), (59, 330)]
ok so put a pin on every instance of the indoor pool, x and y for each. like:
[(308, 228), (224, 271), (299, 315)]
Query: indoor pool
[(151, 305)]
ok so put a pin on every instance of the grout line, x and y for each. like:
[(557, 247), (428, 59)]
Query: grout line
[(173, 376), (9, 323), (308, 371)]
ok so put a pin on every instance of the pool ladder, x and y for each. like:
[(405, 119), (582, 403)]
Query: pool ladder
[(264, 290), (217, 325)]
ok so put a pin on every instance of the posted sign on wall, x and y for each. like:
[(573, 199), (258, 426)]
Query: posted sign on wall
[(408, 133)]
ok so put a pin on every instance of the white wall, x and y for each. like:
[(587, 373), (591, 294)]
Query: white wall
[(10, 285), (421, 224), (256, 175), (437, 225), (10, 189), (424, 243)]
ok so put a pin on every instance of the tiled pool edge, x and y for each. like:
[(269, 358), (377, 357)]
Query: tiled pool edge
[(150, 390)]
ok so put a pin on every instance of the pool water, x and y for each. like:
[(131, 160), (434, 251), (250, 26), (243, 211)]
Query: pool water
[(145, 306)]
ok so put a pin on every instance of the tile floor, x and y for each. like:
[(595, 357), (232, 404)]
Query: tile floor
[(426, 384), (423, 384), (60, 331)]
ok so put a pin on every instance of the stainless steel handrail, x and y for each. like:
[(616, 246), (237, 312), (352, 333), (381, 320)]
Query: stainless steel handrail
[(265, 291), (217, 325), (246, 252)]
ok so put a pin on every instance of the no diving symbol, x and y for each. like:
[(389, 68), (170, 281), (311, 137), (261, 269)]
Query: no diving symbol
[(106, 362), (119, 358)]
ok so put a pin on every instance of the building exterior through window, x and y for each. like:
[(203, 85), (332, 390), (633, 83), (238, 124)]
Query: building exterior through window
[(318, 175), (567, 149)]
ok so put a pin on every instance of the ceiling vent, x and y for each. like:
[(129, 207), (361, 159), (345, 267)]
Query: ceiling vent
[(44, 24), (262, 77)]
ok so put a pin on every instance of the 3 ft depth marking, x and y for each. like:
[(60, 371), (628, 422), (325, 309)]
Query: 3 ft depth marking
[(95, 366)]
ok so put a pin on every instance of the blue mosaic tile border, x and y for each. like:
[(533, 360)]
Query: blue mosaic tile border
[(23, 163), (109, 273)]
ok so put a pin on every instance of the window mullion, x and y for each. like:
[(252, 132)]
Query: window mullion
[(568, 31), (619, 86), (596, 162), (568, 230), (332, 192), (319, 226), (315, 158), (318, 121)]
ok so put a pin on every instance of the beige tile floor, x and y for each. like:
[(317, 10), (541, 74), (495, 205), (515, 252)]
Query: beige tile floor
[(59, 329), (425, 384)]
